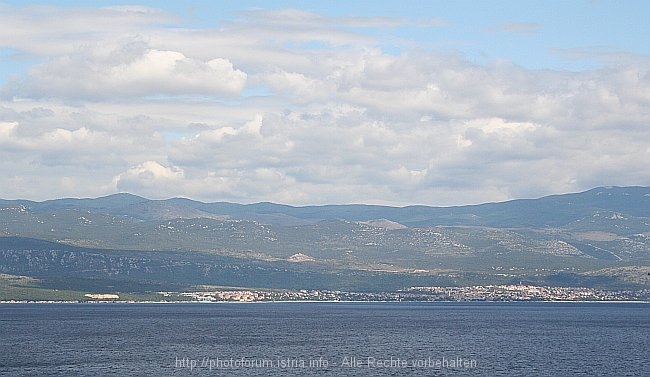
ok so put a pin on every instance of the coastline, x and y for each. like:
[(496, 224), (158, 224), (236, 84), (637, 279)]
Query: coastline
[(15, 302)]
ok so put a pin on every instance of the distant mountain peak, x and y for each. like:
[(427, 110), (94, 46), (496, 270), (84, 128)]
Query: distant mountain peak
[(124, 196)]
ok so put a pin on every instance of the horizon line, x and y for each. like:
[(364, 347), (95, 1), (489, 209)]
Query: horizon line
[(123, 193)]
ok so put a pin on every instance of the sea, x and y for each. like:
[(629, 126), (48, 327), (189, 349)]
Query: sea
[(325, 339)]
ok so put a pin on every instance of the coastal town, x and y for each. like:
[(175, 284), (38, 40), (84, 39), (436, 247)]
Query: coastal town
[(489, 293)]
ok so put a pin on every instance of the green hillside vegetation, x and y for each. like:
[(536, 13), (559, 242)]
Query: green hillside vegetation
[(596, 238)]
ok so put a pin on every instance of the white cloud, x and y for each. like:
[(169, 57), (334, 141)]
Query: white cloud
[(132, 70), (149, 176), (7, 129), (47, 31), (297, 86)]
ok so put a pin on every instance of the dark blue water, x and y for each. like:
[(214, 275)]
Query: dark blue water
[(328, 339)]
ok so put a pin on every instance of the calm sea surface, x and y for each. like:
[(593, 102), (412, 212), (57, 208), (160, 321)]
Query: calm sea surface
[(325, 339)]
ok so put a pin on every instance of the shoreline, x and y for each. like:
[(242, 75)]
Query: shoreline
[(14, 302)]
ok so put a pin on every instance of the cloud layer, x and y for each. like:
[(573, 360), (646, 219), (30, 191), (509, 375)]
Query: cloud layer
[(300, 108), (133, 70)]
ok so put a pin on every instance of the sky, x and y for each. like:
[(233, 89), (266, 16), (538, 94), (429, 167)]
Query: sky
[(323, 102)]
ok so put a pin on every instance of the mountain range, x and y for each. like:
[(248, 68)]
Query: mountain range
[(596, 238)]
